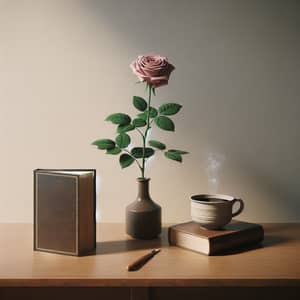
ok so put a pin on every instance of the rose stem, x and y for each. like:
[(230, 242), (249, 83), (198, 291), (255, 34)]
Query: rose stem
[(149, 85)]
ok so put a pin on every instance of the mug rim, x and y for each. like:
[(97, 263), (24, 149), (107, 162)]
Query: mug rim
[(197, 198)]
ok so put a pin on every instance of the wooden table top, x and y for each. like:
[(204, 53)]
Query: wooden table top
[(275, 263)]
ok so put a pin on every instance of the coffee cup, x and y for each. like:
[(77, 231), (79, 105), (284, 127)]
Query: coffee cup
[(214, 211)]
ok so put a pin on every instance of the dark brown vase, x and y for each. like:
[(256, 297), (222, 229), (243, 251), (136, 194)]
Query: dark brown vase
[(143, 216)]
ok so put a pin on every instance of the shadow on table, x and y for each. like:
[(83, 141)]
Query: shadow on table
[(110, 247), (271, 240), (125, 245)]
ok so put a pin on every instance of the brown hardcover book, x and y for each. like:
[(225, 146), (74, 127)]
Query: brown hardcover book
[(65, 211), (235, 235)]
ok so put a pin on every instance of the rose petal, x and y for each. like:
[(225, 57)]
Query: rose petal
[(152, 68)]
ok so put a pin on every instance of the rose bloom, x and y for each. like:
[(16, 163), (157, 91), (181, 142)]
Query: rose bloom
[(152, 68)]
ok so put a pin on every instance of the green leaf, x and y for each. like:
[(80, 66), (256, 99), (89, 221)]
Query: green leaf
[(125, 160), (157, 144), (119, 118), (137, 152), (152, 113), (139, 103), (125, 128), (114, 151), (164, 123), (169, 109), (174, 156), (143, 116), (178, 151), (104, 144), (123, 140), (138, 122)]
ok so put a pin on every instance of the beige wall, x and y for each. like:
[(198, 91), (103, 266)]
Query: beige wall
[(64, 68)]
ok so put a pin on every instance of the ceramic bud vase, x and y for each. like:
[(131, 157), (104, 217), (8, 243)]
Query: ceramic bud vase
[(143, 216)]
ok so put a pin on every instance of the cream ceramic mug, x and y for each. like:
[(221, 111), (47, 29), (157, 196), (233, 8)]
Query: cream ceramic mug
[(214, 211)]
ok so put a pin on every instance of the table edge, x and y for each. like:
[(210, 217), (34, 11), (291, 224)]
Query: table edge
[(155, 282)]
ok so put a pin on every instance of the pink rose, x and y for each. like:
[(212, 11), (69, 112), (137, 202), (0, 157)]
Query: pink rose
[(152, 68)]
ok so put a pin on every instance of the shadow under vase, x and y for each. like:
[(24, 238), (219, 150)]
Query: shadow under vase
[(129, 244)]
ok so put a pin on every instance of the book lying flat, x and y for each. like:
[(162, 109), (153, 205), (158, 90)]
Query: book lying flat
[(233, 236), (64, 211)]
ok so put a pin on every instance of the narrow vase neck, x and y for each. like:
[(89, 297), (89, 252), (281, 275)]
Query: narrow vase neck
[(143, 188)]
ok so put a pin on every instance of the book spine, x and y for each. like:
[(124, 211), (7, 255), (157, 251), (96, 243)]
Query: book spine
[(236, 241), (171, 240), (86, 213)]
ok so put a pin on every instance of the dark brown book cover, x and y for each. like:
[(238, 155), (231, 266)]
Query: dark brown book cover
[(234, 235), (65, 211)]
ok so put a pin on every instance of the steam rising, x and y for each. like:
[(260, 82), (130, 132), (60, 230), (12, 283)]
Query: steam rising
[(214, 163)]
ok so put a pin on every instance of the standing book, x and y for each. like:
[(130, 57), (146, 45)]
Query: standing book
[(233, 236), (65, 211)]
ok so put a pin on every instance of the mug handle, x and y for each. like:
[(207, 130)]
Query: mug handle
[(241, 208)]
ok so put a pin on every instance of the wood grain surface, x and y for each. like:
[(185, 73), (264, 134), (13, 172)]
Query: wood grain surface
[(275, 263)]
